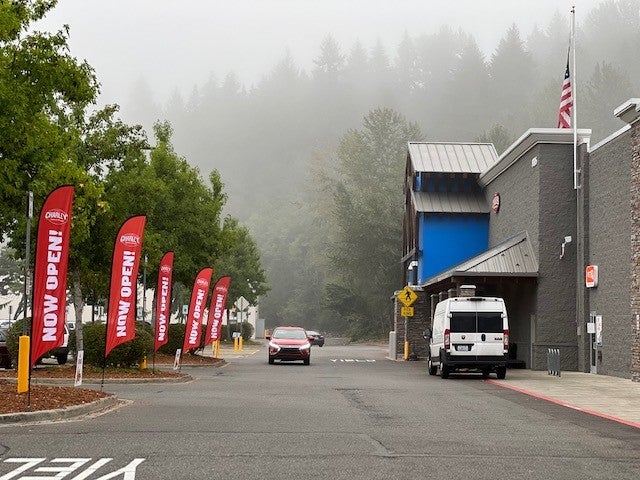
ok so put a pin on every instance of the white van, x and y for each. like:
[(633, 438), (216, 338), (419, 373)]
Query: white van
[(469, 333)]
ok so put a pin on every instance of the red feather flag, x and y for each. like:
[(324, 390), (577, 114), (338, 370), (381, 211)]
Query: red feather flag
[(216, 310), (163, 300), (121, 315), (193, 332), (50, 274)]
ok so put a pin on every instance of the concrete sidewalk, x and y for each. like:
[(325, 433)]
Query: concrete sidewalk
[(608, 397)]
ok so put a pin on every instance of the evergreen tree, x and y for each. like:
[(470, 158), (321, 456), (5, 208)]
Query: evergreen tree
[(512, 79), (499, 136), (408, 67), (468, 99), (606, 89), (366, 221), (330, 62), (612, 34)]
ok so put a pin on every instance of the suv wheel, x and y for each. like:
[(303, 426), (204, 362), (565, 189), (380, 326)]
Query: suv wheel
[(271, 361), (501, 372), (307, 361), (61, 358)]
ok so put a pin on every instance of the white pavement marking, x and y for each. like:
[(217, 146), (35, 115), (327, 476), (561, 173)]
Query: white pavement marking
[(351, 360), (128, 472)]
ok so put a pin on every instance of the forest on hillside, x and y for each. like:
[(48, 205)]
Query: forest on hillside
[(313, 160)]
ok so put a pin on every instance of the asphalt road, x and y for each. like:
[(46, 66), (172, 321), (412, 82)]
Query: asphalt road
[(351, 414)]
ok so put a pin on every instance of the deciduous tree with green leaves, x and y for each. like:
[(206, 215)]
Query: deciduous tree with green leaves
[(41, 83)]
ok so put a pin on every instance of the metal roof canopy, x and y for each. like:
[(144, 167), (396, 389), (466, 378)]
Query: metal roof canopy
[(440, 157), (513, 258), (450, 202)]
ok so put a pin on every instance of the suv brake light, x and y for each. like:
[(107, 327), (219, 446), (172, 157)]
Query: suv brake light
[(505, 340), (447, 339)]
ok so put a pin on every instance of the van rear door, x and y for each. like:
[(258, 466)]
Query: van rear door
[(462, 327), (489, 334)]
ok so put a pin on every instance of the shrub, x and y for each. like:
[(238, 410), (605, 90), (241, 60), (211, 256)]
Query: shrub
[(124, 355), (247, 330), (176, 336), (93, 342), (13, 335)]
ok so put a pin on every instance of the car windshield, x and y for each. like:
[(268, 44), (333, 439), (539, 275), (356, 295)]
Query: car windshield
[(290, 334), (311, 332)]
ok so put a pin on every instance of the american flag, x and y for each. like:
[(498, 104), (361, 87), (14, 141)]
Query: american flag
[(566, 101)]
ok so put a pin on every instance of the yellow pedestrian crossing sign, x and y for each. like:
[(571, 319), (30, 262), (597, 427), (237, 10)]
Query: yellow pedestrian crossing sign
[(407, 296)]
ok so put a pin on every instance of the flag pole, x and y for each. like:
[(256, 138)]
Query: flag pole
[(583, 339), (574, 109)]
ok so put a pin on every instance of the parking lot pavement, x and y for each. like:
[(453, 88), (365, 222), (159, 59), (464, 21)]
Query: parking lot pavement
[(608, 397)]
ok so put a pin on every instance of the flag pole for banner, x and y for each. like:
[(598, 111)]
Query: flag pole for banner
[(27, 277), (104, 364)]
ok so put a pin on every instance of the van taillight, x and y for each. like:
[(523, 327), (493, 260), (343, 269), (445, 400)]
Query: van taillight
[(505, 340), (447, 339)]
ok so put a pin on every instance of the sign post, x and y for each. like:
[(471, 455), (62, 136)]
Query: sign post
[(241, 304), (407, 297)]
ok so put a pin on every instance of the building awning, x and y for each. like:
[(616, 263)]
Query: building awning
[(512, 258), (438, 157), (450, 202)]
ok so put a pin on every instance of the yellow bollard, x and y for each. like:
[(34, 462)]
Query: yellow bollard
[(23, 363), (143, 363), (217, 349), (240, 343), (406, 350), (235, 344)]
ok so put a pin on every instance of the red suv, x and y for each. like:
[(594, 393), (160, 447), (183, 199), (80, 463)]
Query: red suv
[(289, 344)]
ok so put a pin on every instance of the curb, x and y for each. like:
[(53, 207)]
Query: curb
[(69, 382), (564, 404), (61, 413)]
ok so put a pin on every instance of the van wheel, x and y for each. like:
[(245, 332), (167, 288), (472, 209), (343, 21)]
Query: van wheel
[(501, 372), (432, 368), (444, 371), (61, 358)]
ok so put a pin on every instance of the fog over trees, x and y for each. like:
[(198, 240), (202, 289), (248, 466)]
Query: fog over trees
[(311, 160), (328, 246)]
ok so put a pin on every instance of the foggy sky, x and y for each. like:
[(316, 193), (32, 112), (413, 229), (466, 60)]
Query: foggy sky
[(180, 43)]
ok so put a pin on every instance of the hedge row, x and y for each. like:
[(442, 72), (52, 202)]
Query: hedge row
[(127, 354)]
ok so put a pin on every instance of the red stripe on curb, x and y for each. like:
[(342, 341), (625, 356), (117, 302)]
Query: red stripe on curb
[(564, 404)]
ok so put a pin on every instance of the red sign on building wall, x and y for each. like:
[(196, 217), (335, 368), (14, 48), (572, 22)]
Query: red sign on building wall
[(591, 276)]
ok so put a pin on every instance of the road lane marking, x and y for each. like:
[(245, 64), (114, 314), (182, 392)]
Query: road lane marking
[(36, 466), (351, 360)]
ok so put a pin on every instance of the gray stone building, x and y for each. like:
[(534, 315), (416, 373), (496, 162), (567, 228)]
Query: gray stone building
[(553, 215)]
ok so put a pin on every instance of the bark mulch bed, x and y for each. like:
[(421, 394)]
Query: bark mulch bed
[(53, 397)]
